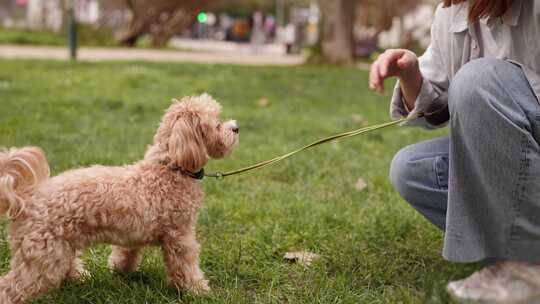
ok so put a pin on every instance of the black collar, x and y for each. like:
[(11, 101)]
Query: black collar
[(195, 175)]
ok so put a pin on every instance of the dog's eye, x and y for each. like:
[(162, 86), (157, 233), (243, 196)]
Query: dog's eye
[(218, 126)]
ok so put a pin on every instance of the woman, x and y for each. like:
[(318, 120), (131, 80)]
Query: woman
[(481, 185)]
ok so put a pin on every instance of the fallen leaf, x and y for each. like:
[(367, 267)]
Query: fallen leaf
[(303, 258), (5, 84), (358, 118), (263, 102), (360, 184)]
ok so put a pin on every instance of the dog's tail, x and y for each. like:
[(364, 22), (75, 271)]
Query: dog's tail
[(20, 169)]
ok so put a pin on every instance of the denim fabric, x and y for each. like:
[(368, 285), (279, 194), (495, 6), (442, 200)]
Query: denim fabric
[(481, 185), (420, 175)]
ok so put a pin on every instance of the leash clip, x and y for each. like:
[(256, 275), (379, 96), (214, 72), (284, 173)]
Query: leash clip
[(217, 175)]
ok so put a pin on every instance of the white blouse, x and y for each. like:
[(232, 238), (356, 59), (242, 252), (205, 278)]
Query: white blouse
[(454, 42)]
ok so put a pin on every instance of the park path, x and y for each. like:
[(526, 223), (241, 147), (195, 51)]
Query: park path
[(104, 54)]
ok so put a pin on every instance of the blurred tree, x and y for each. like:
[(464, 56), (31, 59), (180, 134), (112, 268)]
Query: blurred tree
[(159, 18), (337, 39), (340, 17), (246, 7), (380, 14), (164, 18)]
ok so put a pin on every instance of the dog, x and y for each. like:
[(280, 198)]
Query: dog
[(154, 201)]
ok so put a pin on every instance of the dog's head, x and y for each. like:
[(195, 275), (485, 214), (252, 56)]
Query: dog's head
[(191, 132)]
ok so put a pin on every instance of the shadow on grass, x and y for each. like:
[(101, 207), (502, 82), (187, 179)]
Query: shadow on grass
[(116, 287)]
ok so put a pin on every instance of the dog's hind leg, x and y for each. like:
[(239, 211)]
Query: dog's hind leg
[(76, 270), (124, 259), (40, 265), (181, 253)]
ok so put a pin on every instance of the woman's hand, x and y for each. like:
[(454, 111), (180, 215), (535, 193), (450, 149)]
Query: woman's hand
[(397, 63)]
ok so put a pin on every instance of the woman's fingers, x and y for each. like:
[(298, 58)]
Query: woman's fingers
[(390, 65), (406, 61), (376, 81), (386, 61), (394, 62), (382, 69), (384, 66), (374, 77), (380, 86)]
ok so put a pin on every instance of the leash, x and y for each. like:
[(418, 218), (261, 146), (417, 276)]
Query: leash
[(221, 175)]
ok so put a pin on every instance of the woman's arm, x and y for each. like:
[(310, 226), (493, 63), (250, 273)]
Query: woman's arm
[(402, 64), (422, 82)]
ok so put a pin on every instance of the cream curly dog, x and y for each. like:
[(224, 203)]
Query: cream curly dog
[(152, 202)]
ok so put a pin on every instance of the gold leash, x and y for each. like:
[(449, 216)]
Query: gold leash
[(220, 175)]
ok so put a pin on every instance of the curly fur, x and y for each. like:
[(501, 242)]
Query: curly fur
[(146, 203)]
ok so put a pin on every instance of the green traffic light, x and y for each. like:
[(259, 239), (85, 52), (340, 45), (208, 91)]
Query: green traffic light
[(202, 17)]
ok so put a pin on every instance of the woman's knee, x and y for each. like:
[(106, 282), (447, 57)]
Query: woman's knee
[(421, 169), (469, 86), (402, 172)]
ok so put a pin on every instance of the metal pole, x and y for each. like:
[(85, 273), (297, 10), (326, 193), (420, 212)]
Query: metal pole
[(72, 32)]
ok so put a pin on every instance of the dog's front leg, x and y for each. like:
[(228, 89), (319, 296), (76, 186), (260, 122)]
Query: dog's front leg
[(181, 253), (124, 259)]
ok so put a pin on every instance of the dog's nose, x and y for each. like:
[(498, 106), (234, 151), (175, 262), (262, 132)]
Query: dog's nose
[(236, 130)]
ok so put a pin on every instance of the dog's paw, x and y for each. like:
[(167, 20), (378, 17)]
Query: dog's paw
[(78, 275), (200, 288)]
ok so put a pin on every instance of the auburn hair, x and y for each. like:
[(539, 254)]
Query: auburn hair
[(483, 8)]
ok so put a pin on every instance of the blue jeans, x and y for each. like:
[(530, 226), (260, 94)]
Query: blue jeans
[(481, 185)]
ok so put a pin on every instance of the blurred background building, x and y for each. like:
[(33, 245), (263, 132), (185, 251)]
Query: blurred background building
[(337, 31)]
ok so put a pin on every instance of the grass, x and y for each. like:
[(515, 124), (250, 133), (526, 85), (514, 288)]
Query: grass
[(87, 36), (374, 247), (24, 37)]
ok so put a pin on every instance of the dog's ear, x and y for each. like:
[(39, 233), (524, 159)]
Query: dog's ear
[(186, 144)]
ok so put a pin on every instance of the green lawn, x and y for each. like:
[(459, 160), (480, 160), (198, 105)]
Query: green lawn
[(374, 247), (87, 36), (27, 37)]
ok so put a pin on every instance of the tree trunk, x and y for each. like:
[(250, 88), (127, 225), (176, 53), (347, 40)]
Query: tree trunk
[(337, 35), (163, 31), (161, 19), (137, 28)]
